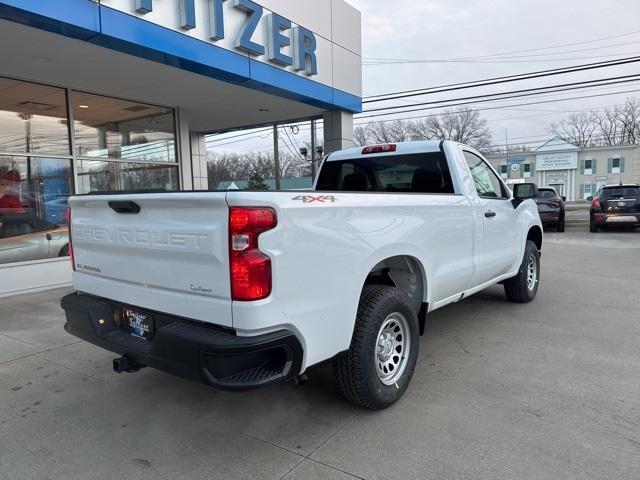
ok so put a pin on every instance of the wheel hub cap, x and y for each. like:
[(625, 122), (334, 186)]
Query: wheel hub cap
[(392, 349)]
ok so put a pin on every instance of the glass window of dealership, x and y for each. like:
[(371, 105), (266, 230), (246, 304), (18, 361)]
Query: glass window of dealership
[(55, 142)]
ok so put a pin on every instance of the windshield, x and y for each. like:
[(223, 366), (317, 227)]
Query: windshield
[(411, 173), (620, 192), (547, 194)]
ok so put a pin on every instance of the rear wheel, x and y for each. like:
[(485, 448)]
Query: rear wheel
[(593, 228), (524, 286), (561, 226), (376, 370), (64, 252)]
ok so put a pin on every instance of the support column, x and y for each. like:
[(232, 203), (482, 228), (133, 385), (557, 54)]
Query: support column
[(183, 147), (199, 162), (338, 130)]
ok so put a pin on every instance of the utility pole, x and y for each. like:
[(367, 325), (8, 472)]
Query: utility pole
[(276, 155), (313, 150), (506, 150)]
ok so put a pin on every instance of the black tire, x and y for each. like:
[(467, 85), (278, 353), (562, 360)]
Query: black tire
[(593, 228), (356, 371), (561, 227), (519, 289), (64, 252)]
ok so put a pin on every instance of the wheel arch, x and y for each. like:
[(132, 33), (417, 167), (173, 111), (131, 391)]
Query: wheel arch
[(407, 274), (535, 235)]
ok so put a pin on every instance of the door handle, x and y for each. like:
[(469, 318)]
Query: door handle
[(489, 214)]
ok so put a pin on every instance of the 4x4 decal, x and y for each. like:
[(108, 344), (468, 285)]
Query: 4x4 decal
[(316, 198)]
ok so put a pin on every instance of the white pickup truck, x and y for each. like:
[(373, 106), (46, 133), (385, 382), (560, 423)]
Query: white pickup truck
[(240, 289)]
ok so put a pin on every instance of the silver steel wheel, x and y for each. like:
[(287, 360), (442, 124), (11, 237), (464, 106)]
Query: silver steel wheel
[(392, 349), (532, 272)]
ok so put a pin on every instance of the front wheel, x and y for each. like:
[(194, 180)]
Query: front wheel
[(561, 226), (376, 370), (523, 287), (593, 228)]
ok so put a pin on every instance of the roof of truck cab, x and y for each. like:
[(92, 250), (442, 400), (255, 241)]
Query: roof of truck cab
[(402, 148)]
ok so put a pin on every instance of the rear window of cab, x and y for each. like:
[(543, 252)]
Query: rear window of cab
[(620, 192), (408, 173)]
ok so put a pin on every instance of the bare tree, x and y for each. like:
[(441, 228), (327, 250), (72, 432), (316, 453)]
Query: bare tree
[(609, 124), (232, 166), (630, 120), (462, 125), (393, 131), (360, 136), (613, 126), (579, 129)]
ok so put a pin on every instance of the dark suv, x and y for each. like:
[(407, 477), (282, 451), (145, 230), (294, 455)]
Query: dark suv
[(617, 205), (550, 208)]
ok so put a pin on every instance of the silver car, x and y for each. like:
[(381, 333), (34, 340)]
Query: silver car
[(25, 236)]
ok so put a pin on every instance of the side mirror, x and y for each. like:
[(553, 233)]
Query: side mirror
[(589, 198), (524, 191), (564, 199)]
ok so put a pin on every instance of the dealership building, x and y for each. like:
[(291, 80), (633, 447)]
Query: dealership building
[(116, 95), (576, 173)]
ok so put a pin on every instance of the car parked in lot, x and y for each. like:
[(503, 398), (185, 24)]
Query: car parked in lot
[(551, 208), (240, 289), (615, 205), (25, 237)]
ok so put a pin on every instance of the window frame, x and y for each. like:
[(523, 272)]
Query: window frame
[(589, 170), (505, 191), (616, 170)]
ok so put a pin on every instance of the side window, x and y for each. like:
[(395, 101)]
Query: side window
[(487, 183)]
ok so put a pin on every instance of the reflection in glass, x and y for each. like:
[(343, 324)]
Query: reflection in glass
[(33, 118), (33, 204), (119, 129), (103, 176)]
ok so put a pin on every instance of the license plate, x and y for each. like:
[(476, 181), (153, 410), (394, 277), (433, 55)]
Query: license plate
[(139, 325), (622, 220)]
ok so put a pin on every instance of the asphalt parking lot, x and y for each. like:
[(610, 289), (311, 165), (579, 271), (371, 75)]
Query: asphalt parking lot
[(548, 390)]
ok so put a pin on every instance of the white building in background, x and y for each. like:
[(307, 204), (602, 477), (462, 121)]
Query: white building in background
[(574, 172)]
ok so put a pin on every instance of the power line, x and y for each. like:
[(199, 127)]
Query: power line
[(538, 60), (497, 107), (385, 61), (500, 80), (525, 92), (539, 49)]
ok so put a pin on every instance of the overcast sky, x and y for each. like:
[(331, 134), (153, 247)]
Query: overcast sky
[(445, 29)]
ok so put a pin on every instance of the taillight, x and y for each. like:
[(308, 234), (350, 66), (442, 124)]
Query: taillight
[(73, 261), (596, 202), (250, 268), (391, 147)]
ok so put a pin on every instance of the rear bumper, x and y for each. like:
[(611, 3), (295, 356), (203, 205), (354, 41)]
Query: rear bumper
[(186, 348), (551, 217), (613, 219)]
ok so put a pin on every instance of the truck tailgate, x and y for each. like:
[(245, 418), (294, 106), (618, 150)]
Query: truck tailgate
[(171, 256)]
